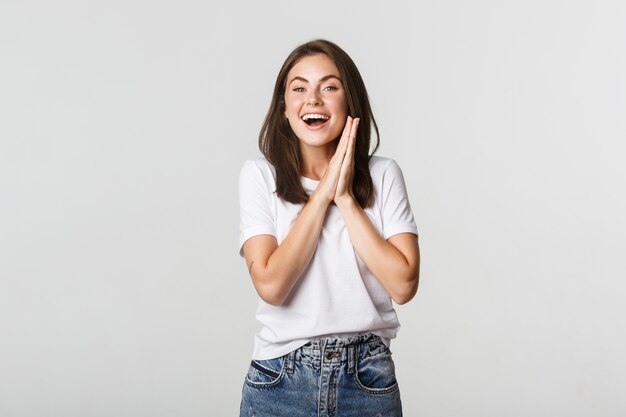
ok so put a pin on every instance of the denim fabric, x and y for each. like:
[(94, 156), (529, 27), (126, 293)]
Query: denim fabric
[(332, 377)]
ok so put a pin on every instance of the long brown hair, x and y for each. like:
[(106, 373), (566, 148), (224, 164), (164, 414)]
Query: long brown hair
[(280, 145)]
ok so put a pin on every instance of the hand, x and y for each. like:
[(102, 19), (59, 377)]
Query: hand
[(327, 188), (344, 184)]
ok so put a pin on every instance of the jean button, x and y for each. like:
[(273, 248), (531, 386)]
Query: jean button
[(330, 355)]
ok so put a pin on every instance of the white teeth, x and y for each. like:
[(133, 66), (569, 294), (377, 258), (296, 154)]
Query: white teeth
[(315, 116)]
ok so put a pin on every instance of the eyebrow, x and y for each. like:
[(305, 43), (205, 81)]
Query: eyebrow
[(324, 78)]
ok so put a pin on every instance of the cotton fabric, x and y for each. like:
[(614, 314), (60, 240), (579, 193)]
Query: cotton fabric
[(336, 295)]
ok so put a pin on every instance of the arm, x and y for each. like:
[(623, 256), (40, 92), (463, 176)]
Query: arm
[(274, 268), (395, 261)]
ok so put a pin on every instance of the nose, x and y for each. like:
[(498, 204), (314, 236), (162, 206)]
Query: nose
[(313, 97)]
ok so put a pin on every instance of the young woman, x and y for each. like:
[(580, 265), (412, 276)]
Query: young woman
[(329, 240)]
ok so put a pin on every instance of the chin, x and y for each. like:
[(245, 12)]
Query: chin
[(317, 138), (316, 141)]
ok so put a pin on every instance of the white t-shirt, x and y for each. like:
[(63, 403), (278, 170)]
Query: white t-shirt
[(336, 295)]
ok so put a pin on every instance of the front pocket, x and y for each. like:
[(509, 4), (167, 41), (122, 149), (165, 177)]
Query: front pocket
[(265, 373), (377, 374)]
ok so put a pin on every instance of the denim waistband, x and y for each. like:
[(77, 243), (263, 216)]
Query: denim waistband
[(337, 350), (340, 342)]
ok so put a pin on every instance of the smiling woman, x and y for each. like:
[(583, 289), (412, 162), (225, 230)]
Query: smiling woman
[(315, 106), (279, 141), (329, 238)]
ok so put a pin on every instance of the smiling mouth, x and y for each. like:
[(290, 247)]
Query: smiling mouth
[(315, 119)]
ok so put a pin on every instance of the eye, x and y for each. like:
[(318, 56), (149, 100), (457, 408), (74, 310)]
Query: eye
[(298, 89), (330, 88)]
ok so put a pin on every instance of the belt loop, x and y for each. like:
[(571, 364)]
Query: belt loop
[(289, 361), (351, 359)]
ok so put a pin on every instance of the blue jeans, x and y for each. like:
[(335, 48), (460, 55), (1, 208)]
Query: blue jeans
[(332, 377)]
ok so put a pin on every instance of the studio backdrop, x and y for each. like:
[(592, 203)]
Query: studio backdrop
[(123, 127)]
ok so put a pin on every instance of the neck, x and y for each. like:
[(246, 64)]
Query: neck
[(315, 160)]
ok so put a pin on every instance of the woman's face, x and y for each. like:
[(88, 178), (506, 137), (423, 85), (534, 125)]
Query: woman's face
[(315, 101)]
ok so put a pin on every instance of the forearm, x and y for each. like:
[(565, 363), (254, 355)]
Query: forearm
[(397, 274), (285, 265)]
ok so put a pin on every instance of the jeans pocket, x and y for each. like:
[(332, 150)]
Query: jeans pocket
[(377, 374), (265, 373)]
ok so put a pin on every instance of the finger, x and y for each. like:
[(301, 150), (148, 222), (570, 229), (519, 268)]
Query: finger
[(342, 145), (355, 127), (333, 171), (348, 161), (347, 129), (352, 141)]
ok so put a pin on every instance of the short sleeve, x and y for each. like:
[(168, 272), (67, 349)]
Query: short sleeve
[(396, 208), (255, 204)]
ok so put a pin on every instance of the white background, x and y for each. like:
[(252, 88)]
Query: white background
[(124, 124)]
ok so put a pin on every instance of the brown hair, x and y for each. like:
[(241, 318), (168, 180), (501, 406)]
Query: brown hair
[(280, 145)]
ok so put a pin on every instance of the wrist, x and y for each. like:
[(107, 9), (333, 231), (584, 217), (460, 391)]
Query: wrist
[(318, 201), (346, 201)]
